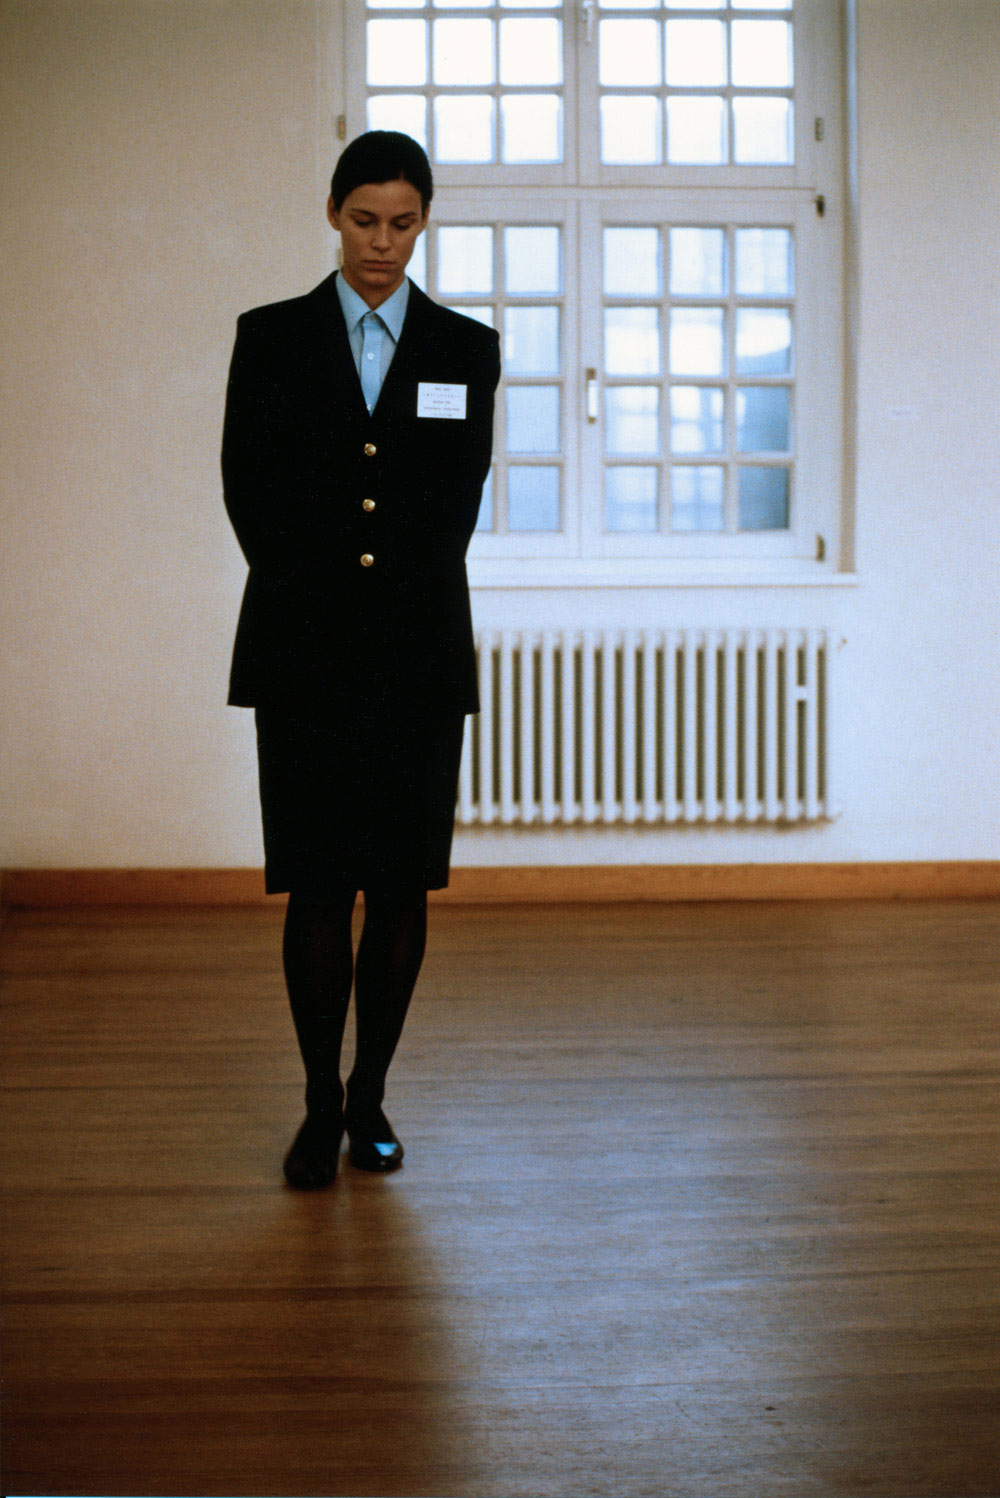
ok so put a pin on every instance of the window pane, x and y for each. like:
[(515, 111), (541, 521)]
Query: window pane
[(531, 340), (479, 314), (530, 127), (696, 419), (632, 262), (532, 259), (629, 4), (631, 340), (465, 259), (696, 499), (763, 340), (757, 4), (629, 53), (459, 4), (696, 53), (417, 268), (485, 519), (530, 50), (463, 127), (630, 130), (763, 262), (632, 423), (393, 5), (463, 51), (397, 52), (697, 262), (762, 420), (762, 54), (763, 494), (405, 112), (696, 130), (763, 131), (533, 499), (532, 419), (696, 340), (630, 502), (694, 4)]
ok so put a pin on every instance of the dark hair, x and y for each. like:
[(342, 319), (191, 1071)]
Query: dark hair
[(382, 156)]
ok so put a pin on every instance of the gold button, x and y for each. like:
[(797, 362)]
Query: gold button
[(367, 559), (368, 504), (370, 449)]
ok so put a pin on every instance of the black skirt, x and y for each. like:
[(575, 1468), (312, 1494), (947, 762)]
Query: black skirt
[(363, 799)]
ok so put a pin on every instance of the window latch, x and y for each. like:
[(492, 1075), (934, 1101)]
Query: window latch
[(588, 10), (591, 378)]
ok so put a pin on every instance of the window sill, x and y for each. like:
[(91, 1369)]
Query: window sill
[(620, 572)]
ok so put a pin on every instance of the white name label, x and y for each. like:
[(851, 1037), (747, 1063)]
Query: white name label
[(445, 402)]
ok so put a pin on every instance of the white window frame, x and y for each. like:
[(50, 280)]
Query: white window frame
[(807, 195)]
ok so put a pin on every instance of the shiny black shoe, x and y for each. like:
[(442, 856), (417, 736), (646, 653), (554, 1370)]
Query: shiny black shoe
[(373, 1145), (312, 1161)]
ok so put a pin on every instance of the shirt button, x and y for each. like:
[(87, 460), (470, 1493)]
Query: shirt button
[(370, 449), (369, 356), (368, 504), (367, 559)]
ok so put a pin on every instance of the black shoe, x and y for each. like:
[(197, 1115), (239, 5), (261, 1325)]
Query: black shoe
[(373, 1145), (311, 1163)]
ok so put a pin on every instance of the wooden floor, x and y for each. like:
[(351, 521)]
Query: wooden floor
[(698, 1200)]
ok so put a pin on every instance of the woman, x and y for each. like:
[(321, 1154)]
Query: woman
[(357, 439)]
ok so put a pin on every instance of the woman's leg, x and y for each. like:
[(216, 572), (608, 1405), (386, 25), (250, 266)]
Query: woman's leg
[(389, 956), (319, 967)]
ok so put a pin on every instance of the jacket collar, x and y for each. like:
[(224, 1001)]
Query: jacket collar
[(415, 339)]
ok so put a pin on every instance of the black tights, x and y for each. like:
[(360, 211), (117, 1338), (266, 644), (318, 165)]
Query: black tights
[(319, 968)]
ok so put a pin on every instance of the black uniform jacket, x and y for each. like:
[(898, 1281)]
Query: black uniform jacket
[(355, 526)]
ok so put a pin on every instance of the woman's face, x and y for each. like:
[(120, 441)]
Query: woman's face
[(379, 224)]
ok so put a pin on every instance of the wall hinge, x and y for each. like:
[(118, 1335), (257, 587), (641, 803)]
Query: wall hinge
[(820, 549), (819, 127), (341, 127), (820, 205)]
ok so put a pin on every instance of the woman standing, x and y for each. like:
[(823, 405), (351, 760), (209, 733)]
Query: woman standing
[(357, 439)]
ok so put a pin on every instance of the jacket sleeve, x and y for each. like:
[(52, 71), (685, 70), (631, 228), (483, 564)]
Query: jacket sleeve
[(253, 495), (490, 360), (479, 452)]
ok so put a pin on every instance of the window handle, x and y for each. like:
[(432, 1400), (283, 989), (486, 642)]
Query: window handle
[(588, 9), (592, 403)]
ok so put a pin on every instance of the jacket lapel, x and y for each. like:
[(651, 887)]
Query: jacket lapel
[(414, 353), (337, 371)]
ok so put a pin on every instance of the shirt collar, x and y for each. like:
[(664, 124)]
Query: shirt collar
[(392, 311)]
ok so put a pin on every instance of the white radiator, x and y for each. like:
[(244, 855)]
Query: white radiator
[(650, 726)]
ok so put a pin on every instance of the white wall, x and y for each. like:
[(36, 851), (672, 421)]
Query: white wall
[(165, 167), (161, 173)]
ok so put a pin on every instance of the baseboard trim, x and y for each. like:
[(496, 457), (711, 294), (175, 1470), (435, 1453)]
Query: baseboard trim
[(593, 884)]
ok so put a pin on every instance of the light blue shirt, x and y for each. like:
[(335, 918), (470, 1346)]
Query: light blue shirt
[(373, 335)]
